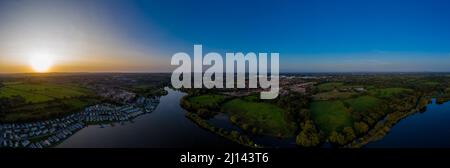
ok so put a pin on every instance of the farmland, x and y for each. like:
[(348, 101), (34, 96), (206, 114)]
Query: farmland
[(38, 93), (35, 101), (206, 101), (362, 103), (329, 86), (265, 118), (331, 115)]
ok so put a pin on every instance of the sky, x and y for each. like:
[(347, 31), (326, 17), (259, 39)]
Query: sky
[(142, 36)]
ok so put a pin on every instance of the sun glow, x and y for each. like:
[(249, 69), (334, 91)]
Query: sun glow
[(41, 61)]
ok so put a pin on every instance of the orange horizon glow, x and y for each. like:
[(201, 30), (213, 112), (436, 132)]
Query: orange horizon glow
[(89, 64)]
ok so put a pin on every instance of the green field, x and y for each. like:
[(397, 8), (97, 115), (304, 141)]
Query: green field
[(388, 92), (330, 115), (431, 83), (37, 93), (267, 117), (206, 101), (44, 101), (362, 103), (329, 86), (333, 95), (29, 97), (46, 110), (337, 114)]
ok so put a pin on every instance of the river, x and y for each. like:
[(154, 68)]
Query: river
[(428, 129), (166, 127)]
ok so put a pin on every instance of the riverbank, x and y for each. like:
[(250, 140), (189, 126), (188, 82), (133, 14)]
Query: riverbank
[(382, 128), (51, 132), (166, 127), (234, 136)]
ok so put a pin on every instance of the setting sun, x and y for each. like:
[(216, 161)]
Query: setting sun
[(41, 61)]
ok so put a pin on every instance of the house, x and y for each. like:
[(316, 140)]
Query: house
[(25, 143), (360, 89)]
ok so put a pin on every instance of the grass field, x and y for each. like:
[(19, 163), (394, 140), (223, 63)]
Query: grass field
[(268, 117), (431, 83), (44, 101), (45, 110), (206, 101), (388, 92), (362, 103), (330, 115), (329, 86), (37, 93), (29, 97), (333, 95)]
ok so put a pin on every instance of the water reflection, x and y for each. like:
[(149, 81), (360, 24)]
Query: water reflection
[(166, 127), (428, 129)]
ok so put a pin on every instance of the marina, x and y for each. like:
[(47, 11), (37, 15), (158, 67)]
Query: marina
[(51, 132)]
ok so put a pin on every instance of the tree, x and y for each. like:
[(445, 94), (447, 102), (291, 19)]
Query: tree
[(308, 137), (185, 103), (255, 130), (336, 138), (361, 127), (234, 119), (370, 120), (349, 134), (204, 113), (235, 134), (4, 105), (245, 126), (305, 113)]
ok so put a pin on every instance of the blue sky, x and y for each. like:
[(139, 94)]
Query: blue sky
[(311, 36)]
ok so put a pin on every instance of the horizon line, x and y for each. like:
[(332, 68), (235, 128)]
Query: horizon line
[(141, 72)]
